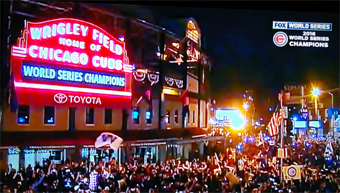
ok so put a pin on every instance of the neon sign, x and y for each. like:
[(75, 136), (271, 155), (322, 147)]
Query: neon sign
[(193, 41), (72, 42), (65, 75), (72, 57)]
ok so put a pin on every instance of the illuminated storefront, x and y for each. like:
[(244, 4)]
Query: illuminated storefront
[(74, 80), (61, 64)]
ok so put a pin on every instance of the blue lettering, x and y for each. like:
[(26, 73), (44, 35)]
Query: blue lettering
[(122, 81), (42, 72), (69, 74), (113, 81), (95, 80), (86, 78), (35, 33), (101, 79), (52, 73), (64, 75), (79, 77), (280, 24), (35, 71), (91, 78), (28, 70), (38, 72), (60, 74)]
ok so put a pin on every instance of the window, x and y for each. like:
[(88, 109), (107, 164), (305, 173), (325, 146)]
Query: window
[(188, 116), (72, 119), (135, 115), (23, 114), (89, 115), (49, 112), (148, 116), (176, 116), (193, 116), (108, 116), (167, 118)]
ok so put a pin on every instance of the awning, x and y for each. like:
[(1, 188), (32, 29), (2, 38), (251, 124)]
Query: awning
[(45, 138)]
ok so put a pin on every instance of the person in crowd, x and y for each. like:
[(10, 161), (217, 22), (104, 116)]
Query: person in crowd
[(253, 170), (93, 185), (17, 182)]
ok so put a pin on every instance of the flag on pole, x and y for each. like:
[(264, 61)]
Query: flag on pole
[(185, 100), (273, 126), (108, 139), (185, 97), (328, 150), (147, 96), (283, 112)]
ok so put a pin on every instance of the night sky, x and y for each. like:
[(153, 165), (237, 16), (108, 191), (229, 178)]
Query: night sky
[(239, 41)]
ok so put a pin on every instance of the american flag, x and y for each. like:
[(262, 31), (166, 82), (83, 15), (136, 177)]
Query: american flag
[(282, 153), (273, 126), (185, 97), (147, 96)]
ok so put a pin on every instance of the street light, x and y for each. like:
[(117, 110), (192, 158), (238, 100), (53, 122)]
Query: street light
[(316, 93), (332, 98), (332, 118)]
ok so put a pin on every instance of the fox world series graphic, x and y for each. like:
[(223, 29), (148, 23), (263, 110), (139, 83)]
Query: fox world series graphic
[(301, 34)]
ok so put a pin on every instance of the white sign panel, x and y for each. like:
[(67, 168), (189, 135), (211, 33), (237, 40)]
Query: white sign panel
[(315, 124), (300, 124), (292, 25), (232, 117)]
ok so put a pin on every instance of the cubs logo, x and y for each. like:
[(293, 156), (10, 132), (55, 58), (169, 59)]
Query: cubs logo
[(292, 172), (280, 39)]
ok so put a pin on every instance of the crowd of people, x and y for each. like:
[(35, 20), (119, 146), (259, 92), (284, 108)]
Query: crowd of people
[(252, 169)]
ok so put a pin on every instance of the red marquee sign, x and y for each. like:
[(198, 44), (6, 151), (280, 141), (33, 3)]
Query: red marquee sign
[(73, 62)]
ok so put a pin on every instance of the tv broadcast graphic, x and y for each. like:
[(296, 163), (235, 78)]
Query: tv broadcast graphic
[(71, 62), (302, 34)]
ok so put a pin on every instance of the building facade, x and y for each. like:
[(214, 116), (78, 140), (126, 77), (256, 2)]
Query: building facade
[(90, 70), (309, 114)]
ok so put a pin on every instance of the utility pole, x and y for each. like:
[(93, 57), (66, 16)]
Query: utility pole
[(281, 133), (185, 82), (199, 88), (161, 78), (333, 116)]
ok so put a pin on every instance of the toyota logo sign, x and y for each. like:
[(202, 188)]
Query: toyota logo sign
[(60, 98)]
